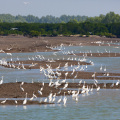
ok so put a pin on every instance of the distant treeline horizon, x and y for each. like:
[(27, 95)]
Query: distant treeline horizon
[(110, 17), (104, 25), (60, 29)]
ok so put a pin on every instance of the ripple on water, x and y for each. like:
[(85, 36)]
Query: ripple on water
[(104, 104)]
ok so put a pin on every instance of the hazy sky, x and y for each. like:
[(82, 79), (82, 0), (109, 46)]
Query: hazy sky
[(59, 7)]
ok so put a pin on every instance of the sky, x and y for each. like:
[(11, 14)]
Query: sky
[(57, 8)]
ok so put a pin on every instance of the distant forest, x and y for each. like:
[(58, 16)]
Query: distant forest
[(110, 17), (47, 19), (105, 25)]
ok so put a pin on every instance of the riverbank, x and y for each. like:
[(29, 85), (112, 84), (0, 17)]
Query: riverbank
[(14, 44), (13, 90), (34, 64)]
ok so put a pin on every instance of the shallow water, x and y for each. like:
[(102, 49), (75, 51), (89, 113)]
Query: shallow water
[(91, 49), (101, 105), (104, 105), (111, 64)]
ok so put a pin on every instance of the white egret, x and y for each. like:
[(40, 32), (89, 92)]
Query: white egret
[(34, 95), (59, 100), (63, 81), (66, 85), (40, 92), (1, 81), (64, 99), (25, 100), (117, 83), (4, 101), (16, 102), (22, 83), (112, 85), (91, 88), (104, 85), (45, 100), (80, 82), (21, 88), (98, 88)]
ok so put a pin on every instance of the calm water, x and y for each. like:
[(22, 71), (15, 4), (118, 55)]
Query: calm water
[(93, 49), (10, 75), (102, 105)]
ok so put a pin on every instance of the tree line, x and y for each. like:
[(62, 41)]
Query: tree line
[(110, 17), (66, 29), (45, 19)]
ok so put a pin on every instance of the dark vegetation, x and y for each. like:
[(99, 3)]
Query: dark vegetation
[(105, 25)]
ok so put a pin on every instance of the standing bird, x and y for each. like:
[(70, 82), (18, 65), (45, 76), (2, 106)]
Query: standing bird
[(66, 74), (91, 88), (64, 99), (66, 85), (21, 88), (101, 68), (4, 101), (1, 81), (80, 82), (104, 85), (22, 83), (16, 102), (117, 82), (45, 100), (40, 92), (93, 75), (54, 97), (112, 85), (59, 100), (25, 100), (98, 88), (105, 68), (43, 83), (63, 81)]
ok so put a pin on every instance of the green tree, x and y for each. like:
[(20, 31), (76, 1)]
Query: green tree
[(34, 33)]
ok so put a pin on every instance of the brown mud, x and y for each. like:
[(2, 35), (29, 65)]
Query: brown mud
[(20, 44), (16, 44)]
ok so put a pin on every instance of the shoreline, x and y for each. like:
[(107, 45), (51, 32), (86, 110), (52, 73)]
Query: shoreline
[(20, 102), (31, 64), (21, 44), (13, 90)]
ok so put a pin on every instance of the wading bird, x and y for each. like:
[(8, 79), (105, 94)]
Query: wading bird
[(25, 100), (1, 81), (4, 101)]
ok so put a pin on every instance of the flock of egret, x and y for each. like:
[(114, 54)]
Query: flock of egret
[(55, 74)]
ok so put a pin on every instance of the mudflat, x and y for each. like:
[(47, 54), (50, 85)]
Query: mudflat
[(19, 43)]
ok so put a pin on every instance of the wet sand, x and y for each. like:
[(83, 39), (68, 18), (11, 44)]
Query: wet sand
[(20, 102), (33, 64), (88, 75), (14, 44), (98, 54), (102, 75), (13, 90)]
